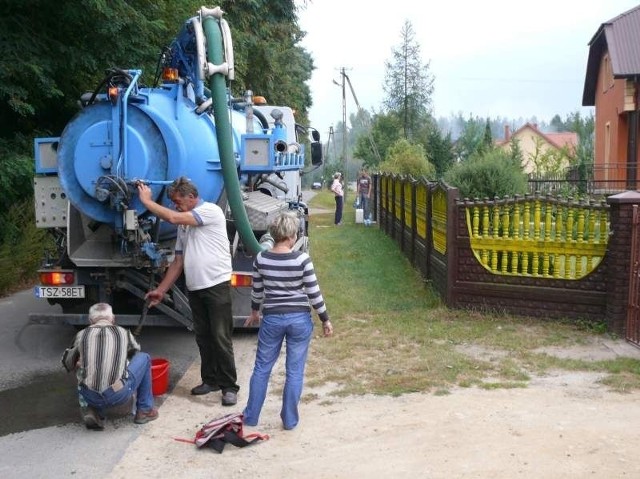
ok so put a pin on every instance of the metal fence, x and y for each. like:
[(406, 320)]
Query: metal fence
[(594, 180), (536, 255)]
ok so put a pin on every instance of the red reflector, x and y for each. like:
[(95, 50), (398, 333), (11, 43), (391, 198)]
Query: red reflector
[(239, 280), (56, 278)]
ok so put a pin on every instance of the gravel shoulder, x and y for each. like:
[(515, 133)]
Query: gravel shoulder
[(563, 425)]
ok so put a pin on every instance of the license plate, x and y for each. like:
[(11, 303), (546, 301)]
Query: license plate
[(68, 292)]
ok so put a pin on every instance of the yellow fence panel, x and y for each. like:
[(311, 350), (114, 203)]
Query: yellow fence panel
[(399, 210), (439, 220), (539, 237), (422, 202), (407, 207)]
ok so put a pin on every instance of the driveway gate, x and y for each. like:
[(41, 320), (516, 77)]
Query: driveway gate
[(633, 307)]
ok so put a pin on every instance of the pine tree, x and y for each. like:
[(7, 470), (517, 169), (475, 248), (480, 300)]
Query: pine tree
[(408, 83)]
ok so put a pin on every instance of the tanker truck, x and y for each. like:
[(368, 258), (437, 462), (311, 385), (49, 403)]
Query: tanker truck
[(243, 154)]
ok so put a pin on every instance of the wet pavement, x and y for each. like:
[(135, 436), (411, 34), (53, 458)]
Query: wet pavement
[(42, 402), (51, 400), (35, 391)]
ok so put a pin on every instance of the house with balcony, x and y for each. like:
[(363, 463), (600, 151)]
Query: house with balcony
[(612, 86)]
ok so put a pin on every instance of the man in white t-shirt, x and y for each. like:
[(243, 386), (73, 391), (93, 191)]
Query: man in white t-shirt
[(203, 252)]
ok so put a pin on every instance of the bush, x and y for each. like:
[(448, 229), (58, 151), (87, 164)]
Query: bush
[(404, 158), (23, 247), (487, 176)]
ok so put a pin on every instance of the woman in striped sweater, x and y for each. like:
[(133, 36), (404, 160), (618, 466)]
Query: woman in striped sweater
[(286, 287)]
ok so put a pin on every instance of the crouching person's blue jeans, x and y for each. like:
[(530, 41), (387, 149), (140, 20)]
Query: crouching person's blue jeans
[(296, 329), (138, 381)]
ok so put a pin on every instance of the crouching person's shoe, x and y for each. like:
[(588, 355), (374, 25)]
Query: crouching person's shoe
[(143, 417), (91, 418)]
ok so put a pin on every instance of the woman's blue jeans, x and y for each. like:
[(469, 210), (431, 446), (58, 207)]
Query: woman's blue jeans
[(296, 329), (138, 380)]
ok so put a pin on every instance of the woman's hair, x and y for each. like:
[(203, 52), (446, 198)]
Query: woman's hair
[(182, 187), (101, 312), (284, 226), (337, 175)]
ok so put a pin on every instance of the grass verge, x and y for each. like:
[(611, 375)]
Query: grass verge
[(393, 335)]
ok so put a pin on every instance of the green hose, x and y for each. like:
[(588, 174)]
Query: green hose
[(215, 55)]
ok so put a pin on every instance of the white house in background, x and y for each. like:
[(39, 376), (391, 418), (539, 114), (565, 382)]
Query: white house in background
[(534, 143)]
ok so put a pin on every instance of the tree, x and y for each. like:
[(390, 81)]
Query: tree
[(585, 128), (487, 175), (471, 137), (515, 152), (557, 124), (408, 83), (385, 130), (405, 158), (487, 139), (57, 51), (549, 161), (266, 38), (440, 151)]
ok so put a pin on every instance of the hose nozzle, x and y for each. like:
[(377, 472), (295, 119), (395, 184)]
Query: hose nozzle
[(281, 146)]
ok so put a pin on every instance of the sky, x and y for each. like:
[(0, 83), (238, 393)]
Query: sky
[(494, 58)]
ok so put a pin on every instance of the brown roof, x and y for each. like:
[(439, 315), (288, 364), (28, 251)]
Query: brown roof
[(566, 138), (620, 36)]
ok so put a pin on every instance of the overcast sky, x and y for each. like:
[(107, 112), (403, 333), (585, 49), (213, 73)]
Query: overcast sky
[(493, 58)]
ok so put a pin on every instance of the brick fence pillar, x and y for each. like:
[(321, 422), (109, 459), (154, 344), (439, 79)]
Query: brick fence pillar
[(618, 259)]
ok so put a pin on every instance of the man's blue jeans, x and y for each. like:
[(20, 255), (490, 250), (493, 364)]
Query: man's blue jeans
[(296, 329), (364, 204), (138, 380)]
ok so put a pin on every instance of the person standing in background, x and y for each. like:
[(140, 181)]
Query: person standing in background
[(338, 191), (364, 191)]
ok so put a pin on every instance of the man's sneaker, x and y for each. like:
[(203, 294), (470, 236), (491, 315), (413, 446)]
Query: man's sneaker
[(204, 388), (229, 398), (143, 417), (91, 418)]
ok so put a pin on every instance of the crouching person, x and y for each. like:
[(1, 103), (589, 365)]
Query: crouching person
[(110, 369)]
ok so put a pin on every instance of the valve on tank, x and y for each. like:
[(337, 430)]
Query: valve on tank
[(248, 109), (279, 131)]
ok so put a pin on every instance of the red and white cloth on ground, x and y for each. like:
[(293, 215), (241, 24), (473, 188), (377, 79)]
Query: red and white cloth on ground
[(226, 429)]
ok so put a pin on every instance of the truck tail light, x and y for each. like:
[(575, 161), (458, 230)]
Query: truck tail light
[(57, 278), (113, 94), (239, 280), (170, 74)]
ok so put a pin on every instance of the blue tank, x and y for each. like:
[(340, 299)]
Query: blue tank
[(165, 139)]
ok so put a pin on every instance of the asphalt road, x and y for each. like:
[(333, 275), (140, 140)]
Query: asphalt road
[(40, 427)]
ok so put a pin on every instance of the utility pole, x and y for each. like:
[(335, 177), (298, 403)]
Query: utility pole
[(374, 148), (344, 133), (330, 141)]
